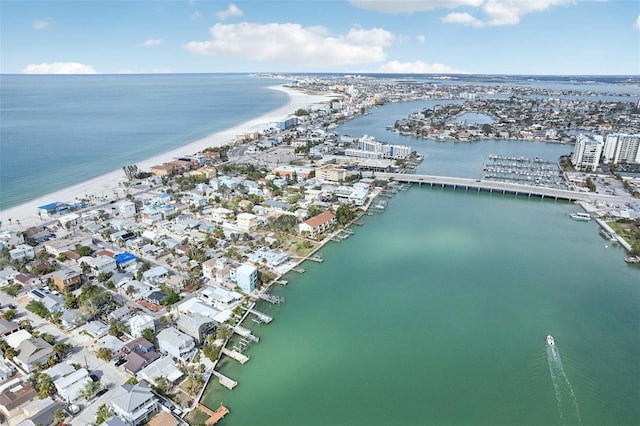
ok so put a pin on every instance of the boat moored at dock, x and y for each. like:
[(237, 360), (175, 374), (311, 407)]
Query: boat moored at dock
[(580, 216)]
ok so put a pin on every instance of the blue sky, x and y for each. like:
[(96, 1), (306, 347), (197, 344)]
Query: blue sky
[(352, 36)]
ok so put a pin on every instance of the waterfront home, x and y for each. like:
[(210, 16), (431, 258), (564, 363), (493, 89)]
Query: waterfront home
[(67, 278), (246, 277), (220, 297), (134, 404), (140, 353), (139, 323), (32, 352), (177, 344), (317, 224)]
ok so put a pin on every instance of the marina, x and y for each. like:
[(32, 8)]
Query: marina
[(530, 171)]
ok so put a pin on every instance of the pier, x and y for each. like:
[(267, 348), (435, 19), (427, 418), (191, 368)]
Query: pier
[(262, 317), (245, 333), (316, 258), (298, 270), (224, 380), (241, 358), (214, 416), (281, 282), (271, 298)]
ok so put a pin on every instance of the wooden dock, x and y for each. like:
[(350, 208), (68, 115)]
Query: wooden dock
[(214, 416), (271, 298), (224, 380), (241, 358), (298, 270)]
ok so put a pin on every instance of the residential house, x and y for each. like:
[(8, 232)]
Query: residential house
[(209, 268), (6, 371), (155, 275), (22, 251), (96, 329), (7, 327), (67, 278), (15, 396), (220, 297), (246, 221), (53, 302), (139, 323), (112, 343), (317, 224), (163, 367), (32, 352), (176, 344), (247, 277), (27, 280), (134, 404), (140, 353), (71, 318), (70, 387)]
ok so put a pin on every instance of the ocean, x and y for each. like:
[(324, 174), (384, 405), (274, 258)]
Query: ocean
[(57, 131), (434, 313)]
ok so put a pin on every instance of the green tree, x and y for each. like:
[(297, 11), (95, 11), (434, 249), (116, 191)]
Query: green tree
[(44, 385), (161, 384), (89, 389), (103, 413), (131, 381), (148, 334), (25, 324), (9, 352), (38, 308), (116, 327), (9, 314), (104, 354), (58, 416)]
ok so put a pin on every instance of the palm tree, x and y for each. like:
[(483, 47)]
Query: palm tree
[(45, 386), (25, 324), (103, 413), (90, 388)]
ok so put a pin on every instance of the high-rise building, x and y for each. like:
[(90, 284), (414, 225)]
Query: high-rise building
[(587, 152), (622, 148)]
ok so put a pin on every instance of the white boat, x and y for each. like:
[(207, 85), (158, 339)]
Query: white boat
[(581, 216), (550, 341)]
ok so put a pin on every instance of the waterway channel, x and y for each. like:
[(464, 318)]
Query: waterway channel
[(436, 312)]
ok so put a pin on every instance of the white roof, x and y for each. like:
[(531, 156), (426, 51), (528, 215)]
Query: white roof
[(163, 367), (14, 339)]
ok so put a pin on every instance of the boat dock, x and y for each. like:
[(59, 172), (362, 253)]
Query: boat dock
[(281, 282), (271, 298), (224, 380), (214, 416), (298, 270), (342, 235), (262, 317), (241, 358), (245, 333), (316, 258)]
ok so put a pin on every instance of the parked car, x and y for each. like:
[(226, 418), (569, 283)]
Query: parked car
[(101, 392), (93, 377), (120, 361)]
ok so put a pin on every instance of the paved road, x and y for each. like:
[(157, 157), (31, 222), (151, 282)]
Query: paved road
[(81, 353)]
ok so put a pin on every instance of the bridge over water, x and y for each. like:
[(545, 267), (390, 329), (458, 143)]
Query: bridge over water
[(516, 189)]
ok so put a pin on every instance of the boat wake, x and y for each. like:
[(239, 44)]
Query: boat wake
[(566, 399)]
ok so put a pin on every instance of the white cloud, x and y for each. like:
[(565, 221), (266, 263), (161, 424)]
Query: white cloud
[(421, 39), (231, 11), (42, 24), (462, 18), (411, 6), (294, 44), (637, 24), (59, 68), (497, 12), (152, 42), (417, 67)]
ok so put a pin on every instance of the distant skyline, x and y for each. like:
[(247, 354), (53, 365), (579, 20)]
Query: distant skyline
[(537, 37)]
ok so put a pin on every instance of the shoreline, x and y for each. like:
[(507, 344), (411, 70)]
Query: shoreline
[(26, 215)]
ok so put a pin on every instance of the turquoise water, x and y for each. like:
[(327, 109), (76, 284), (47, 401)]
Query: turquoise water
[(57, 131), (436, 312)]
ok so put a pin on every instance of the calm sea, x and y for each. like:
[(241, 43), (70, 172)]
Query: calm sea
[(57, 131), (436, 313)]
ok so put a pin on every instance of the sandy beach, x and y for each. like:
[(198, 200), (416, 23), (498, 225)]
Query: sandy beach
[(108, 184)]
